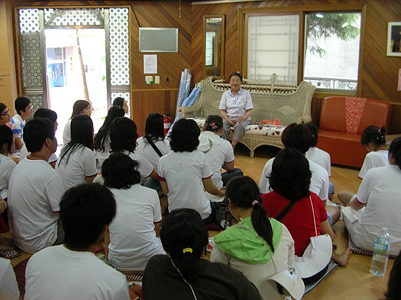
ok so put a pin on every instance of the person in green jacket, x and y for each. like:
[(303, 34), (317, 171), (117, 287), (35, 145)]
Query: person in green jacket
[(260, 247)]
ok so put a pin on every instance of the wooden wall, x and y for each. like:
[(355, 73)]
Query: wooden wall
[(378, 72), (145, 98)]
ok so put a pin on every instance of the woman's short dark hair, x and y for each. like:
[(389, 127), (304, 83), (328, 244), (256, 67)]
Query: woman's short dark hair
[(85, 210), (238, 74), (154, 127), (394, 286), (6, 137), (119, 101), (185, 136), (297, 136), (36, 131), (290, 175), (21, 103), (395, 150), (78, 107), (242, 191), (120, 171), (314, 132), (123, 135), (81, 136), (183, 228), (113, 113), (375, 135), (46, 113), (213, 123)]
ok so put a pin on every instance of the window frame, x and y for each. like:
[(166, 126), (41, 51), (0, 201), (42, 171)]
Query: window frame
[(244, 13)]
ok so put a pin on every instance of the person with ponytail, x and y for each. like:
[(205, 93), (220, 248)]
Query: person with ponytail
[(373, 139), (377, 204), (257, 246), (218, 152), (182, 274), (102, 138)]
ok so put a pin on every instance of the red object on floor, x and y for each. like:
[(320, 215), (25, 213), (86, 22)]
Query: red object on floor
[(3, 226), (19, 271)]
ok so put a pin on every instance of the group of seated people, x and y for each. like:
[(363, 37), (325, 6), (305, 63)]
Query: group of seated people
[(106, 189)]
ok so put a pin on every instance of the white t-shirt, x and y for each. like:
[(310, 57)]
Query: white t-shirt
[(133, 238), (8, 283), (322, 158), (67, 132), (59, 273), (101, 156), (7, 166), (380, 191), (34, 195), (319, 181), (217, 151), (146, 150), (183, 172), (144, 168), (24, 153), (17, 126), (374, 159), (80, 164)]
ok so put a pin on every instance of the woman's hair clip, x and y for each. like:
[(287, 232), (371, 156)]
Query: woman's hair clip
[(213, 125), (185, 250)]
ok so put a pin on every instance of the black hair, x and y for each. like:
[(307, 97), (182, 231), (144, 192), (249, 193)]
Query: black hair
[(21, 103), (120, 171), (395, 150), (6, 137), (238, 74), (183, 228), (81, 136), (290, 175), (119, 101), (314, 131), (154, 127), (242, 191), (375, 135), (36, 131), (113, 113), (2, 107), (123, 135), (85, 210), (213, 123), (46, 113), (297, 136), (393, 286), (78, 107), (184, 136)]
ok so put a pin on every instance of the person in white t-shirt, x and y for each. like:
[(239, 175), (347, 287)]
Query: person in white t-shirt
[(52, 116), (80, 107), (35, 190), (374, 140), (219, 152), (8, 283), (131, 240), (123, 136), (102, 138), (24, 109), (77, 161), (184, 173), (72, 270), (154, 134), (7, 165), (380, 192), (299, 136)]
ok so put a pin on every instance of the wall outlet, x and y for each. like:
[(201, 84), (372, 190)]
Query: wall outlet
[(157, 79)]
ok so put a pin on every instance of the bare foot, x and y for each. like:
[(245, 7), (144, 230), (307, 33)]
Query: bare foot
[(344, 257)]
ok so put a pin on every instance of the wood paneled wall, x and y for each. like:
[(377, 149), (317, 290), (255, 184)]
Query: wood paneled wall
[(145, 98), (378, 72)]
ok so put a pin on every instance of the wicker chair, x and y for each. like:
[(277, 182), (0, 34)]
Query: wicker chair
[(271, 99)]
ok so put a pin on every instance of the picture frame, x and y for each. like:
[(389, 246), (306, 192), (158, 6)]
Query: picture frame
[(394, 39)]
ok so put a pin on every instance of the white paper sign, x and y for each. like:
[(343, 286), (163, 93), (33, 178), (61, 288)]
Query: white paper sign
[(399, 79), (150, 64)]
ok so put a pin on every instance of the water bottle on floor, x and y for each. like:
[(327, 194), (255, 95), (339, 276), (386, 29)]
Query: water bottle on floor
[(381, 247)]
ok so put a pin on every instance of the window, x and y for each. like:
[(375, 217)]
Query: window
[(332, 50), (210, 37), (273, 43)]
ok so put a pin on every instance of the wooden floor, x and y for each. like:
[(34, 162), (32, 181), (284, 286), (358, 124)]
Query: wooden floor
[(351, 282)]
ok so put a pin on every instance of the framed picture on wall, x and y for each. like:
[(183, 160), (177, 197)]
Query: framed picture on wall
[(394, 39)]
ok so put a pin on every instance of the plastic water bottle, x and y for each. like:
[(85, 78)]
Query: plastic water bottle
[(381, 247)]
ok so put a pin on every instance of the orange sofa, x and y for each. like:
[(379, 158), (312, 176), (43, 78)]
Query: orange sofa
[(338, 115)]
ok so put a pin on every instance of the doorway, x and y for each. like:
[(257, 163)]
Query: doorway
[(73, 74)]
